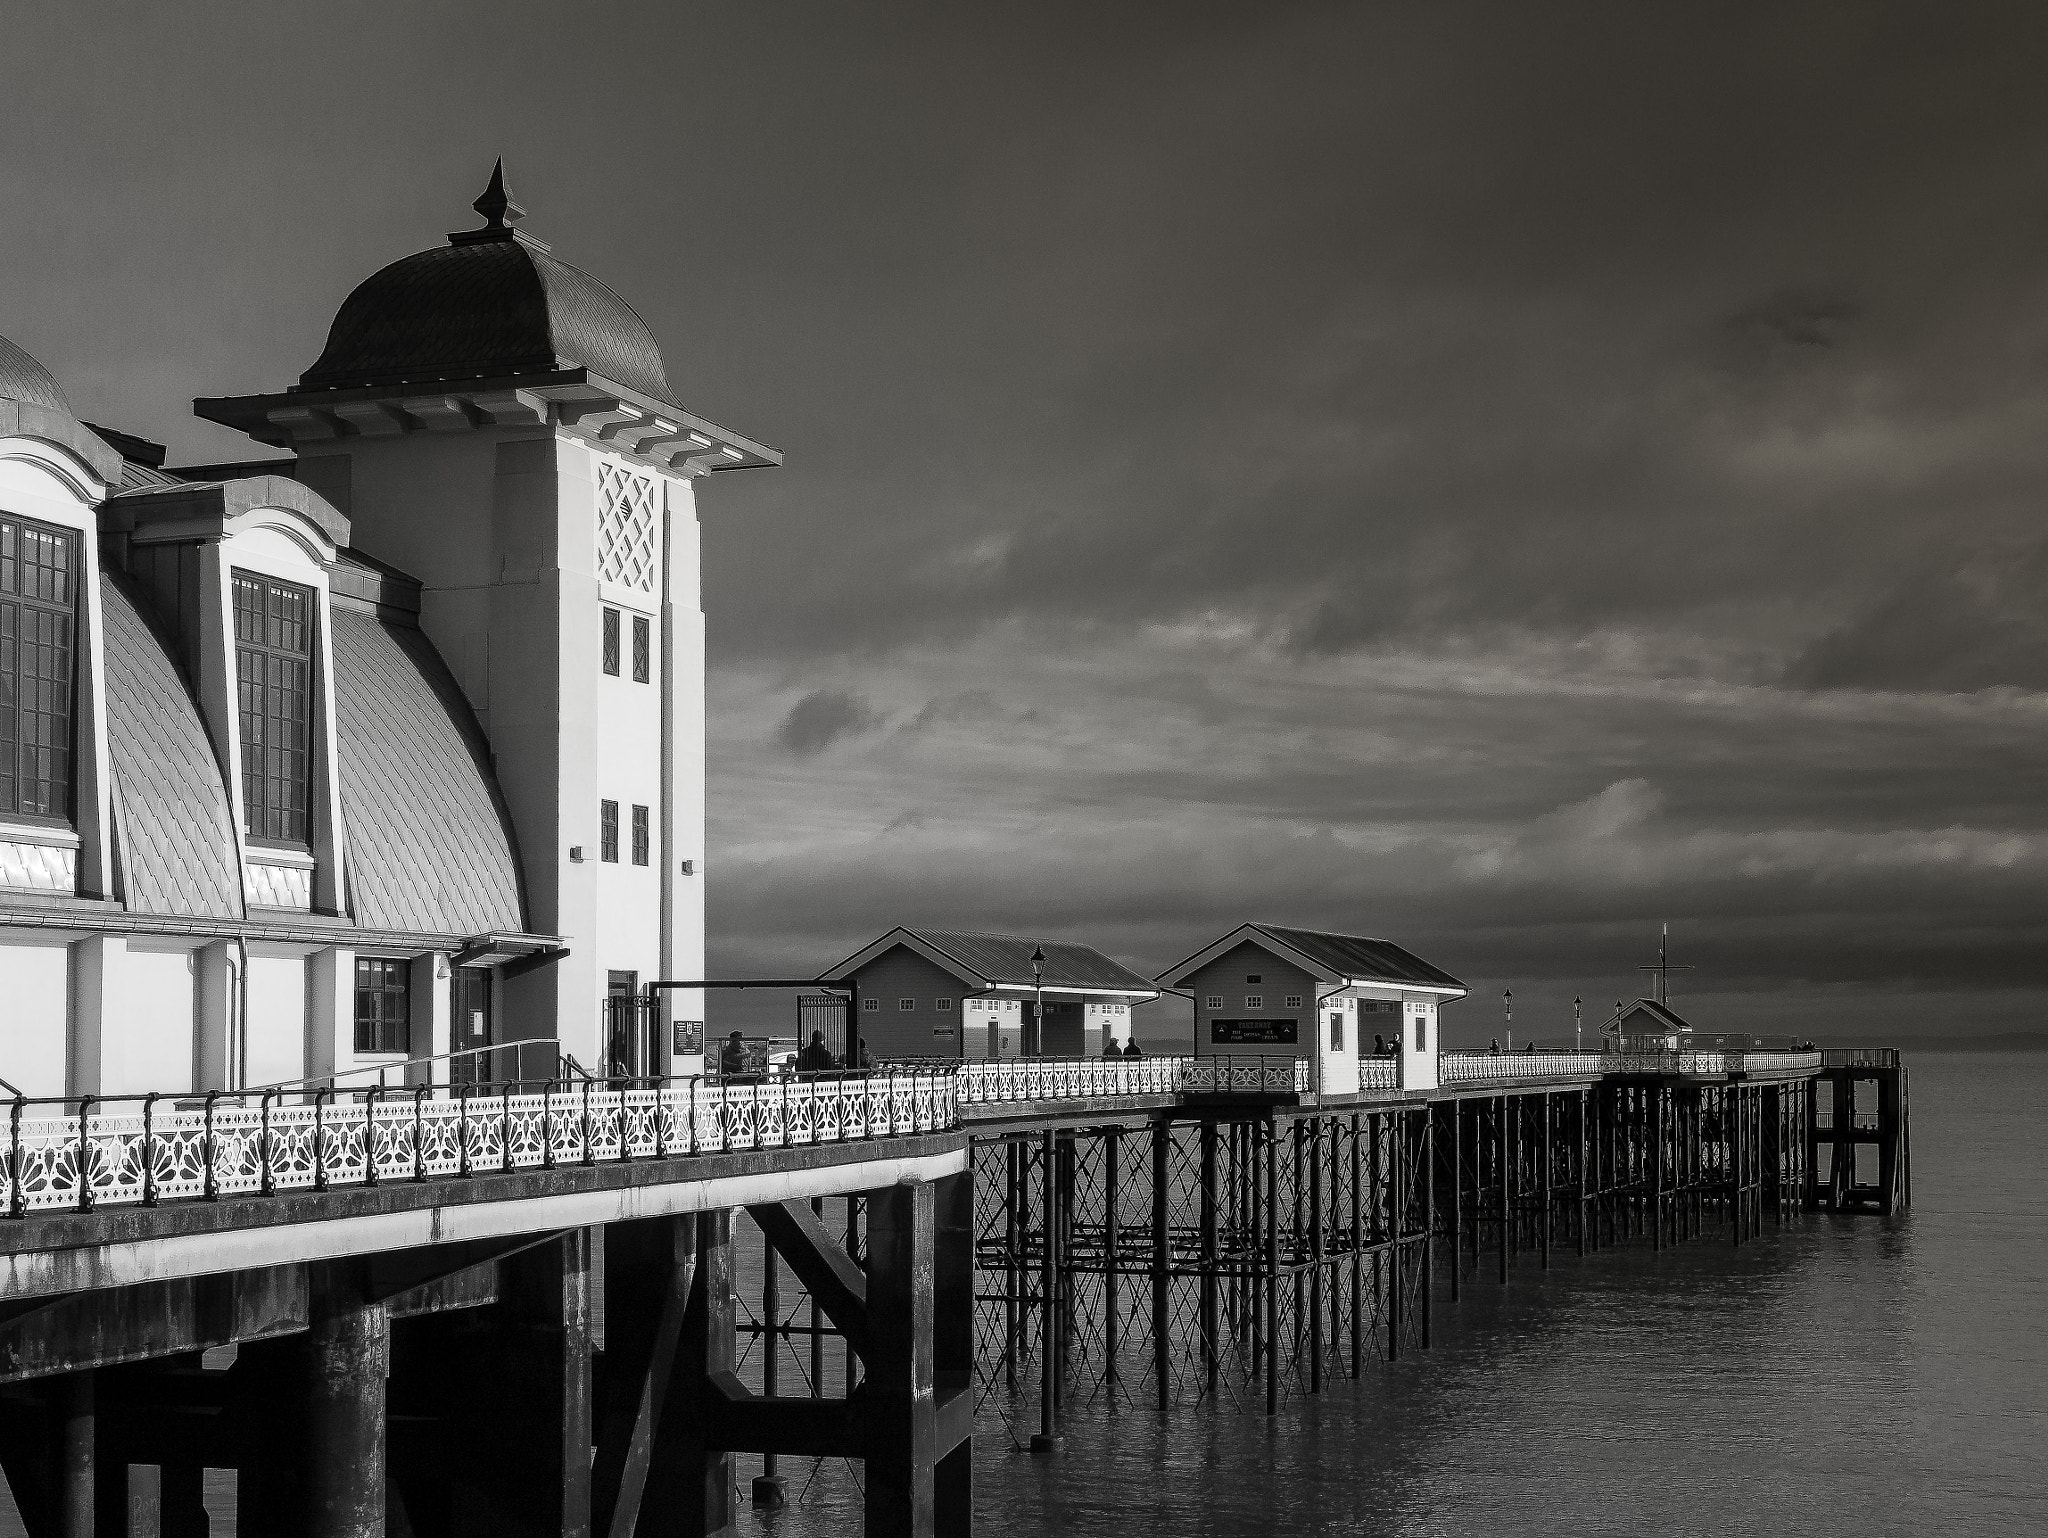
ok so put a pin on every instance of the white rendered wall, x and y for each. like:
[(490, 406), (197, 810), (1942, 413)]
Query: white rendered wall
[(276, 1026), (1337, 1034), (1418, 1063), (148, 1015), (626, 762), (35, 981), (681, 638)]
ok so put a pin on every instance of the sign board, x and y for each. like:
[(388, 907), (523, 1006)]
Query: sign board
[(1248, 1033), (689, 1037)]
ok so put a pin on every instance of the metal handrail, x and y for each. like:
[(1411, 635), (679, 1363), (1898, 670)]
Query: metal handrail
[(516, 1048)]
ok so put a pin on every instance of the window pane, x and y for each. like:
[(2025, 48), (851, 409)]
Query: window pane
[(642, 645), (640, 835), (38, 626), (383, 1004), (611, 642), (608, 831)]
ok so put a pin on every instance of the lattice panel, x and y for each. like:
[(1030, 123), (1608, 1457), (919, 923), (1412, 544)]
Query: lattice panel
[(628, 528)]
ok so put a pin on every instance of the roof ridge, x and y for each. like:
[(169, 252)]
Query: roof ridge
[(1328, 934)]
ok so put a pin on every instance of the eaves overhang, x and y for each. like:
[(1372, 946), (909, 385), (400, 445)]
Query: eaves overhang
[(610, 415), (211, 509), (1258, 935)]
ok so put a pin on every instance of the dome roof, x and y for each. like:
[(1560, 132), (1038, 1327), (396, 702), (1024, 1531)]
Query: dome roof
[(491, 303), (23, 379)]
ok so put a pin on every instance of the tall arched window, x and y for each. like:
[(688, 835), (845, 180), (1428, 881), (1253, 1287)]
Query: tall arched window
[(38, 651), (274, 666)]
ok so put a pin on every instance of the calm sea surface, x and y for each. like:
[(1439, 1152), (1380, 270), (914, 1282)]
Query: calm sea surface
[(1839, 1376)]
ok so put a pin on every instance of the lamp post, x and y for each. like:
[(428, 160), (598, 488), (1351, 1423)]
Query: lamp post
[(1578, 1027), (1047, 1440), (1507, 999), (1038, 1003)]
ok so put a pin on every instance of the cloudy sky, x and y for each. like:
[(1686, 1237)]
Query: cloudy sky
[(1494, 477)]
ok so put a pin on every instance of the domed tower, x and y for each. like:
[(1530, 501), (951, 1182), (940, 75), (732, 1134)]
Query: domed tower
[(498, 425)]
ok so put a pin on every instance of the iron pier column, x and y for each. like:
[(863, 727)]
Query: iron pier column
[(1046, 1441), (1162, 1256), (77, 1468), (349, 1345), (901, 1412)]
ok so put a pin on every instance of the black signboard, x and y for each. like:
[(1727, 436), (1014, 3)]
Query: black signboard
[(1244, 1033)]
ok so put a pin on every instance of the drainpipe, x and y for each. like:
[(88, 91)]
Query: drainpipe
[(238, 1038)]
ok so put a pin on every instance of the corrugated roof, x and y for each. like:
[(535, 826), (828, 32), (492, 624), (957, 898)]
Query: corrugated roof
[(176, 825), (485, 308), (138, 477), (1356, 956), (428, 846), (1007, 959)]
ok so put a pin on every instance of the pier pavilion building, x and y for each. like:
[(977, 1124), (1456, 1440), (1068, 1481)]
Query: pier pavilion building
[(1266, 990), (1649, 1019), (948, 993), (387, 744)]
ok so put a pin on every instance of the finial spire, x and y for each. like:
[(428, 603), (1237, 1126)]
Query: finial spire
[(499, 207), (501, 211)]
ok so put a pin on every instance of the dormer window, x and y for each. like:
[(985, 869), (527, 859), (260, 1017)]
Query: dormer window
[(274, 668), (38, 626)]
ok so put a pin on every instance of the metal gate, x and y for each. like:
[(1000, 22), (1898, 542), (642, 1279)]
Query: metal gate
[(823, 1014), (632, 1037)]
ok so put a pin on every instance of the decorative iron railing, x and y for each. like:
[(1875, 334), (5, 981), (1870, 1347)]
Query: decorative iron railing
[(1859, 1057), (1229, 1074), (81, 1153), (1709, 1065)]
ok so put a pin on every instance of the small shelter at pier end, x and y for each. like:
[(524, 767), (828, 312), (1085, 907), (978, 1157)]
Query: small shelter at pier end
[(384, 745), (1649, 1020), (948, 993), (1263, 990)]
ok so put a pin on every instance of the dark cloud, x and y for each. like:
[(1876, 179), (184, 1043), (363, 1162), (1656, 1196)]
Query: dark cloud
[(1942, 631), (822, 718)]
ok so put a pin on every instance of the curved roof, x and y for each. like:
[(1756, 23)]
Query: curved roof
[(175, 826), (485, 308), (24, 379), (429, 848)]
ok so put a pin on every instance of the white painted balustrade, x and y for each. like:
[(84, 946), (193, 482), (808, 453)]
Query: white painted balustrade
[(158, 1149), (1516, 1067), (1022, 1080)]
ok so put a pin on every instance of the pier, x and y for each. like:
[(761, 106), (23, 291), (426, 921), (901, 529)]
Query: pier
[(517, 1309)]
